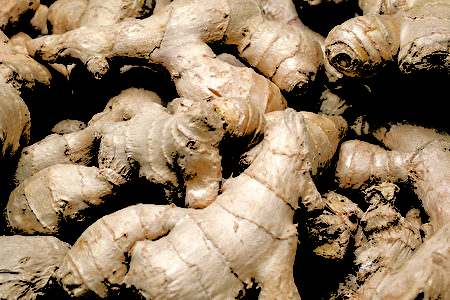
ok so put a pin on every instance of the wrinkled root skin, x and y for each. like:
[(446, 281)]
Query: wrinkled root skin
[(28, 265), (245, 237), (156, 40), (416, 37), (427, 170)]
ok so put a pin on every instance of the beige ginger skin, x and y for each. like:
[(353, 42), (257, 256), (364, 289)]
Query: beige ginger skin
[(28, 265), (246, 234), (416, 37), (78, 147), (65, 15), (12, 10), (285, 54), (384, 242), (17, 71), (138, 137), (426, 167)]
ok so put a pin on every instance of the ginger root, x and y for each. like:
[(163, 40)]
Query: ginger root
[(284, 53), (385, 241), (416, 38), (28, 265), (178, 150), (246, 236), (65, 15), (11, 12), (426, 167)]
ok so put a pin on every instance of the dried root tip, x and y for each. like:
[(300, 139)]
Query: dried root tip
[(242, 119), (361, 164), (332, 231), (54, 196), (28, 265), (360, 46)]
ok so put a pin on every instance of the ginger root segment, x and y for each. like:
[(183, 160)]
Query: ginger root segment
[(180, 150), (385, 241), (11, 11), (80, 147), (427, 169), (28, 265), (246, 236), (281, 52), (66, 15), (332, 231), (14, 117), (28, 71), (56, 197), (417, 39)]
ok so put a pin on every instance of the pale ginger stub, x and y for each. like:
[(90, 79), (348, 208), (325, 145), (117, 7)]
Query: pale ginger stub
[(416, 38), (179, 253), (281, 52), (28, 265)]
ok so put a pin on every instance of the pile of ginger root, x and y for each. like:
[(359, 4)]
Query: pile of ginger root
[(224, 149)]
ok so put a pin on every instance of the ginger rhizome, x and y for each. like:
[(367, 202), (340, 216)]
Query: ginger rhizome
[(246, 236), (285, 54), (12, 11), (426, 168), (65, 15), (330, 233), (28, 265), (14, 117), (385, 241), (135, 137), (80, 146), (416, 38), (18, 73)]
